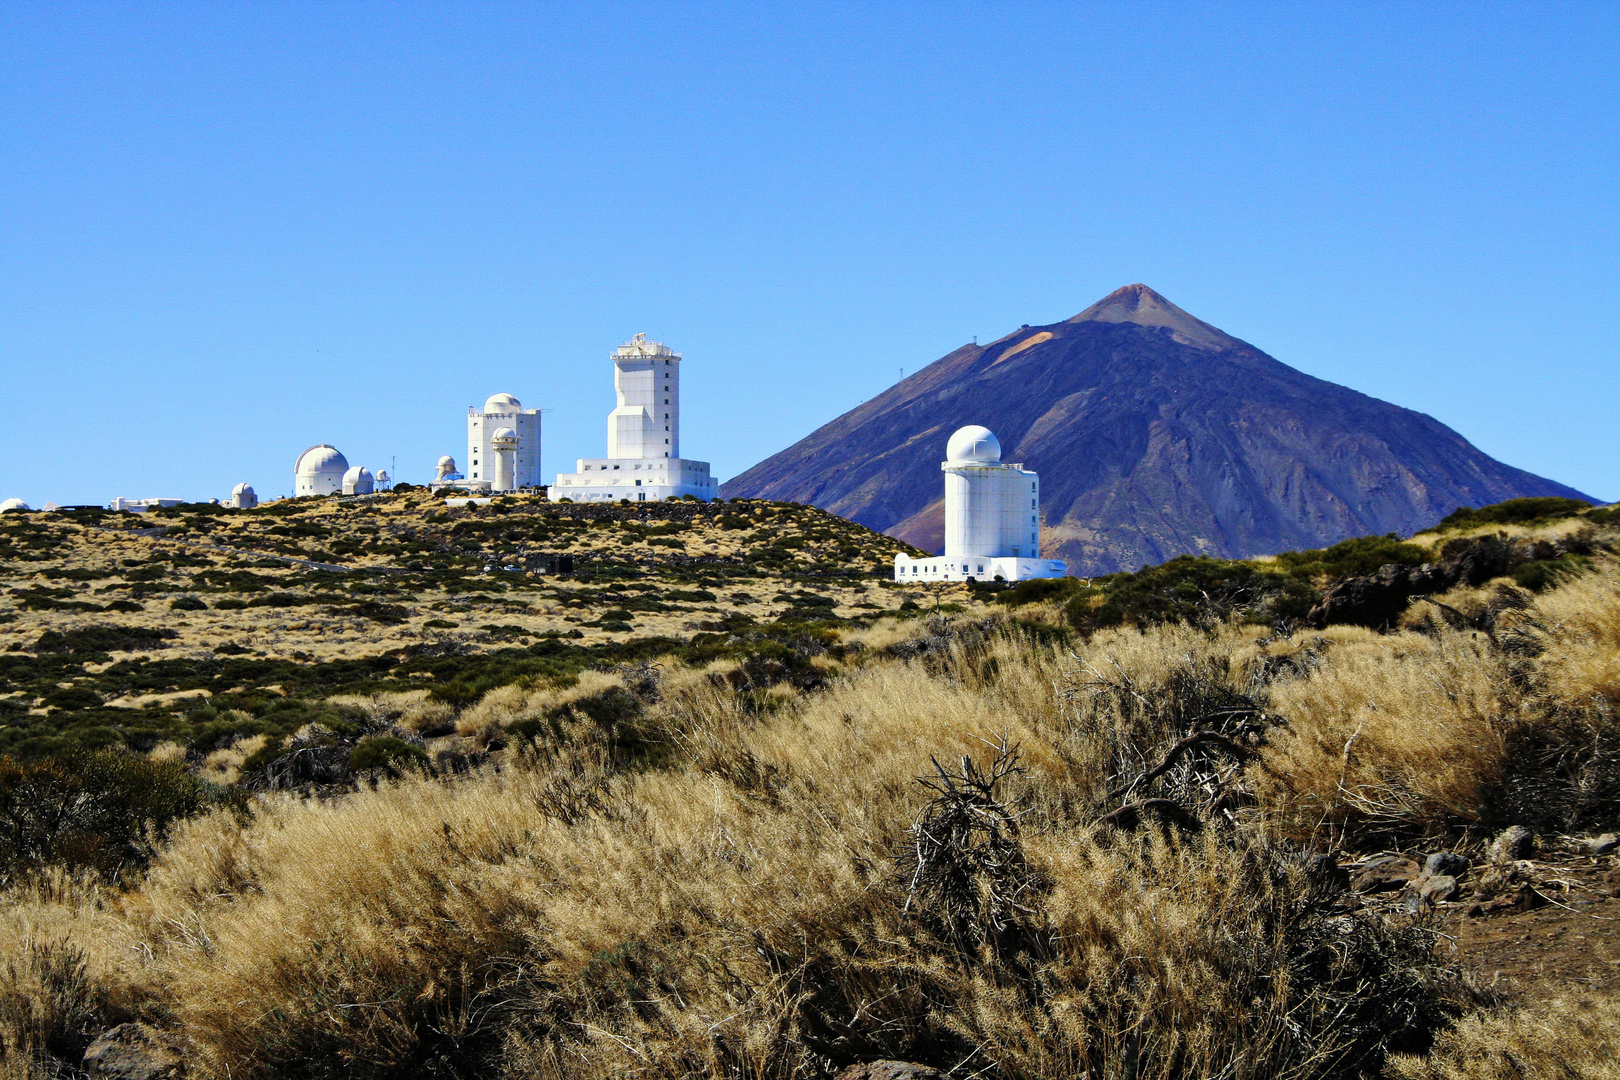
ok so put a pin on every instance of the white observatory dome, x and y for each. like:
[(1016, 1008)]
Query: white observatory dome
[(974, 443), (504, 434), (13, 504), (319, 471), (358, 481), (503, 403), (242, 489)]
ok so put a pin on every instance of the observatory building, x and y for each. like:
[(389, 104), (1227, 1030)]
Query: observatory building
[(992, 518), (644, 460), (319, 471), (243, 497), (503, 445)]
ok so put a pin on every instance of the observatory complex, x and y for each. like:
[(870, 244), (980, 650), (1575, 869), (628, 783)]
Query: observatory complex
[(503, 444), (992, 518), (643, 460)]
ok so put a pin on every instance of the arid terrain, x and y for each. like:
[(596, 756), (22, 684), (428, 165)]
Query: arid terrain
[(382, 788)]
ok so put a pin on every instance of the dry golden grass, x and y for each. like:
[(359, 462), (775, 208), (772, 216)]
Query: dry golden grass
[(1581, 631), (1567, 1040), (1396, 734), (739, 903)]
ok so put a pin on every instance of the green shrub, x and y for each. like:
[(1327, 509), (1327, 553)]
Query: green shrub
[(1039, 589), (1192, 589), (72, 698), (1355, 557), (388, 753), (188, 603), (89, 808), (103, 637), (1513, 512)]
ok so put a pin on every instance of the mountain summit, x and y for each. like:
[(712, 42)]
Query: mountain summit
[(1155, 435), (1141, 306)]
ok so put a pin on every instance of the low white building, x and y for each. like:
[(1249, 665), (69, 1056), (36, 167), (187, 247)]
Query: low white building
[(141, 506), (503, 444), (643, 462), (992, 518)]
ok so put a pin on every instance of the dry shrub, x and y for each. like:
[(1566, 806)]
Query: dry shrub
[(1581, 621), (1390, 737), (167, 751), (66, 972), (506, 705), (410, 710), (743, 914), (224, 766), (1564, 753), (1567, 1039)]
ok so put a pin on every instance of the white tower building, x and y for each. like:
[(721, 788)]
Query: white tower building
[(243, 497), (503, 413), (992, 518), (319, 471), (644, 435)]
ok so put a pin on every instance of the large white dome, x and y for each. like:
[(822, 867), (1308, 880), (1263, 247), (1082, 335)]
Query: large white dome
[(319, 471), (320, 460), (974, 443), (503, 403), (242, 489), (13, 504)]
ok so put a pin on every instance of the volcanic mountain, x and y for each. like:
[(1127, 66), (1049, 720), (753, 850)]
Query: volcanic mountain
[(1155, 435)]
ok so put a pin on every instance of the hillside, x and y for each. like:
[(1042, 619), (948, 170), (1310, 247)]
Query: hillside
[(126, 630), (1155, 435), (1287, 819)]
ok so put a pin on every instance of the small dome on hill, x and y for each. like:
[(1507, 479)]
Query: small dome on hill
[(974, 443)]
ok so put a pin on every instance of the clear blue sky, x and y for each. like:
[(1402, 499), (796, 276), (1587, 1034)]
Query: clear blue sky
[(229, 231)]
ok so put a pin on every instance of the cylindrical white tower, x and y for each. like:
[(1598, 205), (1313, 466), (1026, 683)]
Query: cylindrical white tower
[(973, 493), (503, 445)]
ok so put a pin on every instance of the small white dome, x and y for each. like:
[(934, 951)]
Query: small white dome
[(974, 443), (13, 504), (503, 403), (242, 489), (358, 481), (447, 462), (504, 434)]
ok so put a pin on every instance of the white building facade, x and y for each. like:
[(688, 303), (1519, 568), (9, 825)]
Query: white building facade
[(503, 445), (992, 518), (644, 462)]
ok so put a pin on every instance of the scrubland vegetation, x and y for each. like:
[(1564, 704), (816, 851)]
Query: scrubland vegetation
[(1067, 829)]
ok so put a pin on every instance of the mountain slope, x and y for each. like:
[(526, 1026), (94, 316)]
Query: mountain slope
[(1155, 435)]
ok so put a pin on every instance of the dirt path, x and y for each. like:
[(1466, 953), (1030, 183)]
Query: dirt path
[(1569, 945)]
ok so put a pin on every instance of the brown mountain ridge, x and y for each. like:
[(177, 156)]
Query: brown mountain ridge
[(1155, 434)]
